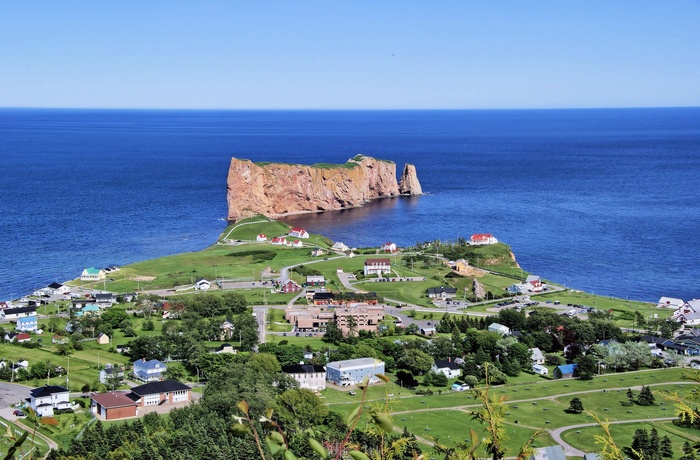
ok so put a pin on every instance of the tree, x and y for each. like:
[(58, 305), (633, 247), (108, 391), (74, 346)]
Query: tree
[(666, 449), (247, 327), (646, 397), (415, 361), (689, 453), (234, 302), (575, 406), (587, 366), (640, 443), (333, 333), (299, 409)]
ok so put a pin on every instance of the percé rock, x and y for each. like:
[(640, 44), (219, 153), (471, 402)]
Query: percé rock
[(276, 189)]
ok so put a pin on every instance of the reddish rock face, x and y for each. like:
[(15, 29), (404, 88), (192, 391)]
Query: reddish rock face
[(277, 189)]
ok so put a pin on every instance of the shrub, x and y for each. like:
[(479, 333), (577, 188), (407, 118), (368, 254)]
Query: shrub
[(63, 411), (48, 421)]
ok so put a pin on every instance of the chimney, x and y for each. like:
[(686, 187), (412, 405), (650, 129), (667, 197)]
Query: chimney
[(449, 360)]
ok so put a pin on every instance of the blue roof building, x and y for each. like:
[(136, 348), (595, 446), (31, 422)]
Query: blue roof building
[(565, 371), (149, 371), (27, 324)]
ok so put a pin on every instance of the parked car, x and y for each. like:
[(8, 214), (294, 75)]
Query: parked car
[(352, 393), (18, 413)]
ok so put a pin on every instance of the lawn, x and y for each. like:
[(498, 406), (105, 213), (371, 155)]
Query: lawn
[(315, 342), (216, 262), (584, 438), (32, 442), (453, 426), (277, 323), (69, 425)]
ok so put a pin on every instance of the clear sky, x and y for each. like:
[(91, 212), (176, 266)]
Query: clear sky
[(327, 54)]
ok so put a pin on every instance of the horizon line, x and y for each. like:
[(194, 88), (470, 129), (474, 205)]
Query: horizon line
[(424, 109)]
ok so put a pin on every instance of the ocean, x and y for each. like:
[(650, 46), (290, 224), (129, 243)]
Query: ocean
[(602, 200)]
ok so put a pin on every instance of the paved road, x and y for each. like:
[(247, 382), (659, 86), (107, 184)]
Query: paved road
[(12, 393), (571, 451)]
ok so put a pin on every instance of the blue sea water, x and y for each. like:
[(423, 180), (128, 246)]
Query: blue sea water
[(600, 200)]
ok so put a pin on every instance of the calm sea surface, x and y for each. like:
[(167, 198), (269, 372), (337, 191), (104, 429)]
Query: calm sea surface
[(602, 200)]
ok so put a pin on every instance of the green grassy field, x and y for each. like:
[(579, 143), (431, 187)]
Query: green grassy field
[(33, 443), (583, 438), (277, 321)]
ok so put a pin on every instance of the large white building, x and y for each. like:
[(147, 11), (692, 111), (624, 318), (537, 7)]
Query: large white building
[(378, 267), (353, 371), (309, 376), (47, 398)]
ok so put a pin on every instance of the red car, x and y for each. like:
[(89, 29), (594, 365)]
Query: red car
[(18, 413)]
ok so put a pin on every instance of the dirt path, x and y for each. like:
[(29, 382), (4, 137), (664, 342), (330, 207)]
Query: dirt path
[(52, 444)]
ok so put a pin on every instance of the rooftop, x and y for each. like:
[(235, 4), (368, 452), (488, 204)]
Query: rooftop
[(113, 399)]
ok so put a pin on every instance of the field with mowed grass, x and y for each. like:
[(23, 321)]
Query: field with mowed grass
[(239, 262), (33, 444), (584, 438)]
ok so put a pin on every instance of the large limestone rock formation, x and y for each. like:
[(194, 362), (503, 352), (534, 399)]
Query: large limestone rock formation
[(275, 189), (409, 184)]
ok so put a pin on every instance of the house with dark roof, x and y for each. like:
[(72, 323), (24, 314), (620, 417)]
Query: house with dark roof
[(113, 405), (447, 367), (58, 288), (105, 300), (442, 292), (309, 376), (159, 393), (110, 372), (47, 398), (17, 312)]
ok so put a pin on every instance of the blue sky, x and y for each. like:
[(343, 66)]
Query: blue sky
[(350, 55)]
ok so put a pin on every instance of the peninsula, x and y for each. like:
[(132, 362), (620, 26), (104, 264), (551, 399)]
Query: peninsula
[(277, 189)]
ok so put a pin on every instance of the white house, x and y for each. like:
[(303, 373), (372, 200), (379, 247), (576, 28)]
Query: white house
[(537, 356), (353, 371), (93, 274), (17, 312), (534, 283), (483, 238), (58, 288), (377, 266), (47, 398), (315, 280), (389, 247), (670, 302), (317, 252), (339, 246), (499, 328), (149, 371), (110, 371), (27, 324), (260, 238), (298, 232), (309, 376), (202, 285), (447, 367), (689, 319), (539, 369), (297, 244), (278, 241)]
